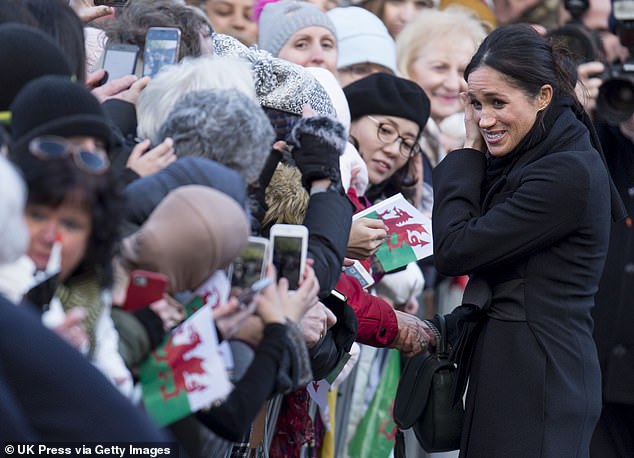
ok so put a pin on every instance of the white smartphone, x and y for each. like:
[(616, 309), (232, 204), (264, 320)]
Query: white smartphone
[(120, 60), (250, 265), (161, 48), (288, 248)]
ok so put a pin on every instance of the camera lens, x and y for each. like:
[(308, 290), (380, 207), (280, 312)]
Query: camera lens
[(615, 102)]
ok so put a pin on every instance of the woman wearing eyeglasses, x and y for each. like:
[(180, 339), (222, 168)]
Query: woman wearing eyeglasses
[(60, 142), (388, 114)]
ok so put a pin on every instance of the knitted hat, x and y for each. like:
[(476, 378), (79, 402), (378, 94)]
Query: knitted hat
[(289, 87), (362, 37), (280, 20), (27, 53), (279, 84), (202, 123), (54, 105), (193, 232), (385, 94)]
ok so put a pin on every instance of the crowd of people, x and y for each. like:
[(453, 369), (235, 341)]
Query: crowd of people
[(305, 113)]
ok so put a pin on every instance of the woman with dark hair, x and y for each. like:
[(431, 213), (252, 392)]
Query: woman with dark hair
[(524, 209), (60, 142)]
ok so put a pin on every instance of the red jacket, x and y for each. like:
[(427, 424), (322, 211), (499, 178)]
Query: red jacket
[(378, 326)]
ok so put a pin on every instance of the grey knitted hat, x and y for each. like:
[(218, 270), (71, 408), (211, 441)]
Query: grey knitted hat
[(279, 84), (288, 87), (280, 20)]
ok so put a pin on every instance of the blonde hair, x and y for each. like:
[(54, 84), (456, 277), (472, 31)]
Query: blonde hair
[(191, 74), (431, 24)]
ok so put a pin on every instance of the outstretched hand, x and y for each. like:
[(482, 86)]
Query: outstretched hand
[(414, 336)]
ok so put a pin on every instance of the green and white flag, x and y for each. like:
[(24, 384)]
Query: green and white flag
[(186, 372), (409, 233), (374, 437)]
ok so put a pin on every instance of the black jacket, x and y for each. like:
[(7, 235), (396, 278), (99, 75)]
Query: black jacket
[(50, 392), (533, 231), (614, 311)]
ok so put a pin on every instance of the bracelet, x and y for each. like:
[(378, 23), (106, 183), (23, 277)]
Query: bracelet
[(434, 329)]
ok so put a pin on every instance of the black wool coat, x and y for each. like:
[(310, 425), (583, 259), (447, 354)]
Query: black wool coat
[(614, 311), (537, 237)]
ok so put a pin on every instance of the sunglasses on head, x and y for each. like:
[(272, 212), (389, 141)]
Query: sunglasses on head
[(50, 147)]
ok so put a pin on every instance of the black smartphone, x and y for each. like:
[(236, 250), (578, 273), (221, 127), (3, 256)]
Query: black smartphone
[(120, 60), (117, 3), (161, 48)]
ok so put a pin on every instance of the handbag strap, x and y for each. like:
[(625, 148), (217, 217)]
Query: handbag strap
[(441, 347)]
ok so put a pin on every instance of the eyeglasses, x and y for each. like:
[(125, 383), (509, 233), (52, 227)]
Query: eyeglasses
[(95, 161), (388, 134)]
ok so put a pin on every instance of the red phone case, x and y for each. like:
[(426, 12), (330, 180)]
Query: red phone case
[(144, 288)]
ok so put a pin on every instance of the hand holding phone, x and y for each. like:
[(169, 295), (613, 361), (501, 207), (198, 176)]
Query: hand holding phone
[(289, 246), (250, 265), (145, 287), (119, 60)]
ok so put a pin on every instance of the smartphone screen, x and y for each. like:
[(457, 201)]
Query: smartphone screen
[(287, 258), (161, 48), (249, 266), (120, 60)]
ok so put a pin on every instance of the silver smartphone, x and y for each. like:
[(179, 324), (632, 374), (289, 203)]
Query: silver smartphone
[(161, 48)]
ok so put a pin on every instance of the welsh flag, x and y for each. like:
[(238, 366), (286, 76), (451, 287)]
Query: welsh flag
[(374, 437), (409, 233), (186, 372)]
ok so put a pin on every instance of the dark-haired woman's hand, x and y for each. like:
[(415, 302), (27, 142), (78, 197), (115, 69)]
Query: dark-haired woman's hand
[(473, 137)]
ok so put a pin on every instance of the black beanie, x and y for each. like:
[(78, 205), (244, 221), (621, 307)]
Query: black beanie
[(55, 105), (386, 94), (27, 53)]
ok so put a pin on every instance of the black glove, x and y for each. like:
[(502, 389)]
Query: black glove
[(317, 144)]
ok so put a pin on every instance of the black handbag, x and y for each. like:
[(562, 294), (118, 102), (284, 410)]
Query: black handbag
[(425, 399)]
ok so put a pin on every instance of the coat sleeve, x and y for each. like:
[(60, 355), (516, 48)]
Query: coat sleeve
[(328, 218), (378, 326), (547, 204), (233, 417)]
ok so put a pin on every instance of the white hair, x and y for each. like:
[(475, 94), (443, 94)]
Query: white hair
[(191, 74), (14, 235)]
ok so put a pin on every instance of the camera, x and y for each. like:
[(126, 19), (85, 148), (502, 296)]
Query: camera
[(615, 102)]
